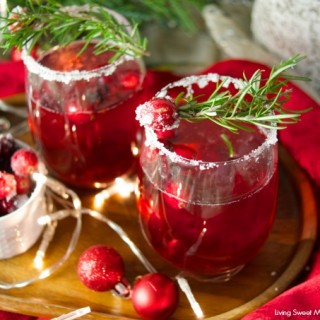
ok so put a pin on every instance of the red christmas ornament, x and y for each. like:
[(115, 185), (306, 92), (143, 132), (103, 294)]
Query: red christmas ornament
[(101, 268), (155, 296)]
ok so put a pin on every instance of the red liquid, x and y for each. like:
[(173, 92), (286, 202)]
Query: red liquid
[(84, 130), (207, 239)]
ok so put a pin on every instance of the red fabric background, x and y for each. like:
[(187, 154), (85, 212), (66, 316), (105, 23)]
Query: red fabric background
[(301, 139)]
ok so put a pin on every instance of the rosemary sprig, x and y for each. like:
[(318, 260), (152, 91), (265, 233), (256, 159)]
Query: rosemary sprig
[(51, 22), (258, 101), (162, 12)]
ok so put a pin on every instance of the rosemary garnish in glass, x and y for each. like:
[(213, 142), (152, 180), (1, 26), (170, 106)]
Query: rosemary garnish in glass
[(53, 24), (258, 101)]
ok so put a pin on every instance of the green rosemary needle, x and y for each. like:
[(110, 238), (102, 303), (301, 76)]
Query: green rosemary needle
[(228, 144), (258, 101)]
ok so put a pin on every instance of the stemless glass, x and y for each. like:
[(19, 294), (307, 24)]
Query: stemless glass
[(81, 111), (203, 209)]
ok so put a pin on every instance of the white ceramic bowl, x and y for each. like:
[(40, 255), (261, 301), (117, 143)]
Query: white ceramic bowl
[(20, 229)]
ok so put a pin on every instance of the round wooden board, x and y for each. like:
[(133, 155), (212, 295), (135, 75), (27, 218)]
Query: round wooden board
[(274, 269)]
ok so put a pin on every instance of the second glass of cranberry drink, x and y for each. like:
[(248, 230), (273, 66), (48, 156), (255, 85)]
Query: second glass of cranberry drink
[(81, 112), (207, 197)]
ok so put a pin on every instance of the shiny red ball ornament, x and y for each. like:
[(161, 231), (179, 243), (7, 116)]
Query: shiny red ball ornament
[(155, 296), (100, 268)]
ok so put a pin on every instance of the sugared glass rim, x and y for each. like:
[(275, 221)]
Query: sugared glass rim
[(202, 80), (35, 67)]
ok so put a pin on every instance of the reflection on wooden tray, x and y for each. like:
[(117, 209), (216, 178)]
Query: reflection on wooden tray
[(278, 264)]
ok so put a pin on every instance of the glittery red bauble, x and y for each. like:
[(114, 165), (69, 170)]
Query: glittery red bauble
[(155, 296), (100, 268)]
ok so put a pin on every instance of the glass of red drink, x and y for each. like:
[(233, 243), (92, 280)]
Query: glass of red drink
[(204, 209), (81, 111)]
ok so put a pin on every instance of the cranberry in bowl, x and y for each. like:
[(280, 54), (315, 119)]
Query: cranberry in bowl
[(22, 198)]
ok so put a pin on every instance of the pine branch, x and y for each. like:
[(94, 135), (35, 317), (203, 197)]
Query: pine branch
[(257, 102)]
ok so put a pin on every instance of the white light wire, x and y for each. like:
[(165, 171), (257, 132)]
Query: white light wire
[(74, 314), (3, 8)]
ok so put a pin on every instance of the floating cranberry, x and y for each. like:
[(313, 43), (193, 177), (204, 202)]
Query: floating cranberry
[(77, 116), (184, 151), (129, 80)]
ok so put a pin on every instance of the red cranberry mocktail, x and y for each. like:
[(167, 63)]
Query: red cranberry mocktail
[(207, 197), (84, 125), (208, 237)]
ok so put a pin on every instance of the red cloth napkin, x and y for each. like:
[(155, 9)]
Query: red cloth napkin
[(303, 142), (11, 78)]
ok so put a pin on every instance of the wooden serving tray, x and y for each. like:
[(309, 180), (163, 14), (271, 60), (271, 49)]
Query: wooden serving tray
[(274, 269)]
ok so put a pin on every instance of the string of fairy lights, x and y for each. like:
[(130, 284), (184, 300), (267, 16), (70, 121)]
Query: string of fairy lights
[(72, 207)]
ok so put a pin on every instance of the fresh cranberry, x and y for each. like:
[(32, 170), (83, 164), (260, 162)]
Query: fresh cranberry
[(8, 205), (160, 114), (8, 185), (23, 184), (24, 162)]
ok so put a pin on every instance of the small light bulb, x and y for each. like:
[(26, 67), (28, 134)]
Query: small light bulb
[(38, 260), (134, 149), (100, 198), (123, 188)]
